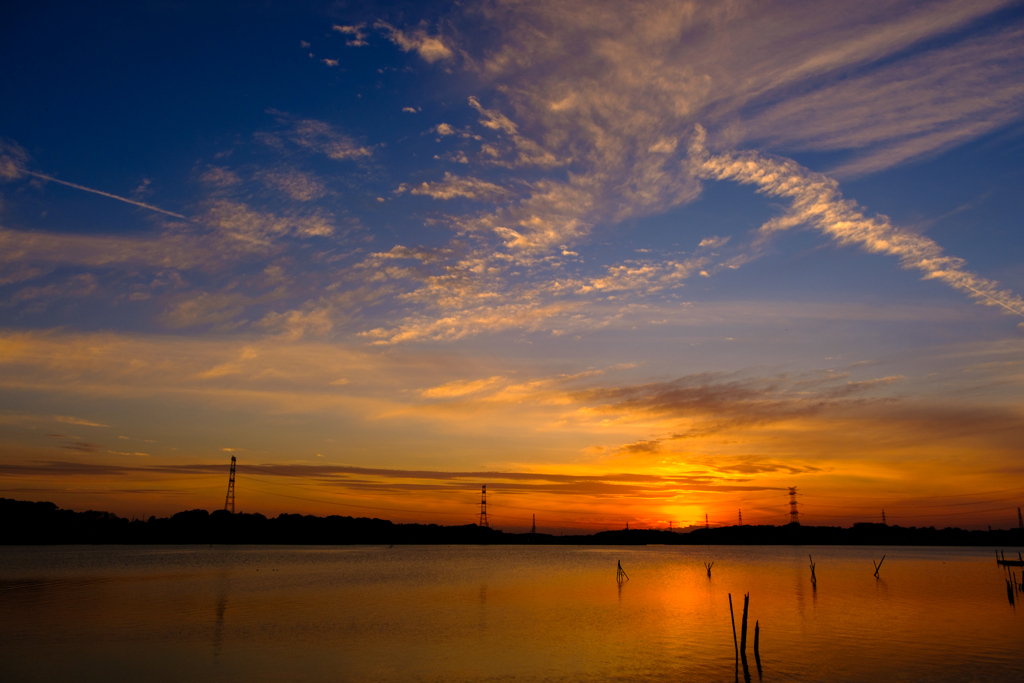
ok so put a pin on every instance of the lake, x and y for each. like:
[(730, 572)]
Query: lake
[(503, 613)]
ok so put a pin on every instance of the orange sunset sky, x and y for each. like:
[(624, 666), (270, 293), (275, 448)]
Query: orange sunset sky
[(620, 262)]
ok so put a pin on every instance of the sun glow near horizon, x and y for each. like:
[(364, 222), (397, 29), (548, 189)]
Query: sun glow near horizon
[(589, 255)]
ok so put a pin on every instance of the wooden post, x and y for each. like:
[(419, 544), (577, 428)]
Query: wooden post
[(743, 625), (757, 654), (709, 566), (733, 617), (878, 566), (814, 579)]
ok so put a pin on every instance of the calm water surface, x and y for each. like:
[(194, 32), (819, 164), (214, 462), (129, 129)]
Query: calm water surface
[(500, 613)]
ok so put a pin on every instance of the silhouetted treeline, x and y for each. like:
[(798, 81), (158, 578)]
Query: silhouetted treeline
[(26, 523)]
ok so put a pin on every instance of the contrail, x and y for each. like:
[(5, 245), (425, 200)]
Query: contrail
[(105, 194)]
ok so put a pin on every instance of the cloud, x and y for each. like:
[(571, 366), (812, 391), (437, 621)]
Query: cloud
[(315, 136), (467, 321), (297, 185), (646, 276), (817, 201), (460, 388), (612, 104), (256, 230), (803, 80), (430, 48), (13, 161), (898, 112), (714, 242), (76, 286), (314, 318), (173, 249), (77, 421), (455, 186), (220, 177), (394, 480), (82, 447), (522, 152), (554, 214), (289, 375), (204, 308), (358, 38)]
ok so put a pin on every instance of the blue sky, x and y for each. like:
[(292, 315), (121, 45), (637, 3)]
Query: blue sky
[(731, 247)]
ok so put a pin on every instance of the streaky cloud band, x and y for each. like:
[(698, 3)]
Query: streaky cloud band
[(817, 201)]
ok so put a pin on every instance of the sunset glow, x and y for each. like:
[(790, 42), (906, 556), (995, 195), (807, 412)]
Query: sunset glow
[(621, 262)]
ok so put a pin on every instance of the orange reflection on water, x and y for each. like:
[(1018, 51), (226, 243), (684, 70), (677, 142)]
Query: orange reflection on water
[(516, 613)]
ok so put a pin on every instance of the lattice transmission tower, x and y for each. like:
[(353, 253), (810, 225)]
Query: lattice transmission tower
[(794, 516), (483, 507), (1020, 520), (229, 500), (533, 529), (741, 517)]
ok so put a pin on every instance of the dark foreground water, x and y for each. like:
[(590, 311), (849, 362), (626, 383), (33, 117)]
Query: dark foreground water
[(501, 613)]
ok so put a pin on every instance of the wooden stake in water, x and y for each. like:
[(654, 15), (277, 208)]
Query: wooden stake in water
[(757, 654), (743, 625), (709, 568), (814, 579), (733, 617), (878, 566), (620, 574)]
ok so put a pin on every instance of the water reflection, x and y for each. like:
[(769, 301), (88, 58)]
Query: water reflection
[(483, 607), (218, 622), (337, 613)]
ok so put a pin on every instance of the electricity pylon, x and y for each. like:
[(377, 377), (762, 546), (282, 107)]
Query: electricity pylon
[(229, 500), (483, 507)]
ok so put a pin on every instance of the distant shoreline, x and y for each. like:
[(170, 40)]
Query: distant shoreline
[(43, 523)]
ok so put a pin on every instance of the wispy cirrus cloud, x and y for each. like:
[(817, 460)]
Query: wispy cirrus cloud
[(452, 187), (818, 202), (314, 136), (301, 187)]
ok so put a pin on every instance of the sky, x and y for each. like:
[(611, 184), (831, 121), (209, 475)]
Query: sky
[(650, 263)]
